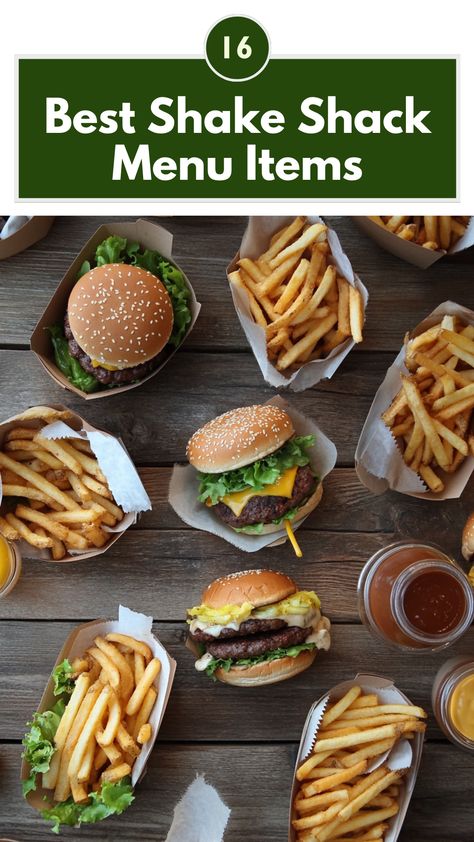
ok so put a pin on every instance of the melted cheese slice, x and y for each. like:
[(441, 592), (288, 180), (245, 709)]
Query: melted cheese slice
[(97, 364), (281, 488)]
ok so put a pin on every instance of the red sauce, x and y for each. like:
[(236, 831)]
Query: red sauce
[(434, 602)]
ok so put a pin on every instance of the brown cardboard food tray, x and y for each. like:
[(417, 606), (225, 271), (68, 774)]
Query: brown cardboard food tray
[(149, 235), (388, 694), (80, 638), (35, 229), (76, 423), (406, 250)]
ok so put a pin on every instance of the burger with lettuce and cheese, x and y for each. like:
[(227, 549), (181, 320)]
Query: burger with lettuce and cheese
[(256, 627), (254, 471)]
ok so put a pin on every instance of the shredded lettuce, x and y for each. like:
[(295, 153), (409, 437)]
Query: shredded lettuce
[(39, 742), (62, 678), (257, 475), (111, 799), (227, 663), (68, 364)]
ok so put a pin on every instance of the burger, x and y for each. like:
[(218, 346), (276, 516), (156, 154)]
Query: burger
[(120, 316), (256, 627), (254, 471)]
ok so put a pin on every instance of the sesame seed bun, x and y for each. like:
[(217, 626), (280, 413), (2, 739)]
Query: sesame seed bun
[(239, 437), (268, 672), (120, 315), (302, 512), (260, 587), (468, 538)]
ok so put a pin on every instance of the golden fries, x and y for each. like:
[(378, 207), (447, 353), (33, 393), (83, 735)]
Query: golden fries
[(339, 797), (433, 232), (296, 296), (430, 416), (94, 742), (59, 483)]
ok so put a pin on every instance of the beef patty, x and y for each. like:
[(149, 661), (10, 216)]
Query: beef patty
[(107, 378), (252, 647), (245, 628), (268, 509)]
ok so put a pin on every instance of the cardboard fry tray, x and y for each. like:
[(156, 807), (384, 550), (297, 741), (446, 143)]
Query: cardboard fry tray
[(409, 251)]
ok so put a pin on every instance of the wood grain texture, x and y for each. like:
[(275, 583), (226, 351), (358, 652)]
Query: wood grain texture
[(439, 810), (28, 651), (244, 740)]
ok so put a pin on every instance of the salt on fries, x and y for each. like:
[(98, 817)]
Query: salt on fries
[(295, 294), (337, 799), (55, 495), (430, 417), (431, 232), (97, 739)]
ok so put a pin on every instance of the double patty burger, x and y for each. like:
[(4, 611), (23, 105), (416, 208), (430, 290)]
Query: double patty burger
[(255, 628), (119, 317), (254, 471)]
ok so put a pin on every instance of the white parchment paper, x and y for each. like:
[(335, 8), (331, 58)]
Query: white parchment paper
[(378, 460), (184, 485), (256, 238), (200, 815)]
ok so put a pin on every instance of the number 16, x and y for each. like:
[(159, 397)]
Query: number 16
[(244, 50)]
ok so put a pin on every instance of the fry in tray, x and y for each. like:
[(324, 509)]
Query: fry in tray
[(83, 750), (430, 417), (337, 798), (56, 486), (297, 297), (438, 233)]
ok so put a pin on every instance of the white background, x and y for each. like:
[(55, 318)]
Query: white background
[(150, 27)]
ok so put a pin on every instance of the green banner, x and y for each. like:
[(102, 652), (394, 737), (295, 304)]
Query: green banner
[(174, 129)]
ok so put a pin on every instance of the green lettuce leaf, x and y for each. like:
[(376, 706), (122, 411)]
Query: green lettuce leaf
[(67, 364), (227, 663), (110, 250), (39, 743), (257, 475), (111, 799), (62, 678)]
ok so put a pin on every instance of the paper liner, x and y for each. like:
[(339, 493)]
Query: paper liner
[(409, 251), (116, 466), (81, 638), (404, 754), (378, 460), (254, 242), (149, 235), (183, 489), (35, 229)]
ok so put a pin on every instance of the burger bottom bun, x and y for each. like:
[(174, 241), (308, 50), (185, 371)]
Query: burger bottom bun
[(305, 510), (268, 672)]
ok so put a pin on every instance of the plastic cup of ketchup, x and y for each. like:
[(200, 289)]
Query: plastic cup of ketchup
[(10, 566), (413, 596)]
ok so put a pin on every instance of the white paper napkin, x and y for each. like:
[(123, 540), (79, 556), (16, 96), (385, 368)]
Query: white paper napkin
[(12, 225), (200, 815)]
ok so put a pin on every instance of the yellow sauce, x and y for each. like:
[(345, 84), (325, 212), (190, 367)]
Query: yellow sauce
[(5, 562), (461, 707)]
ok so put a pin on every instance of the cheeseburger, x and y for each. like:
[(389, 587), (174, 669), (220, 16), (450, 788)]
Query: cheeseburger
[(256, 627), (254, 471)]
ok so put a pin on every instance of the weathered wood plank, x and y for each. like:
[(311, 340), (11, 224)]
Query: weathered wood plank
[(255, 783), (347, 506), (204, 246), (28, 651), (157, 419)]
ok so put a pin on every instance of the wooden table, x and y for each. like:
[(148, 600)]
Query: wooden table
[(243, 740)]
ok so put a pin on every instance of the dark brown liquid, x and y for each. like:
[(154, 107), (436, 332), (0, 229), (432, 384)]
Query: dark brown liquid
[(434, 602)]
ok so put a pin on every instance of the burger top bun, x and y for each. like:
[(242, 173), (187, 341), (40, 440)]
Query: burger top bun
[(239, 437), (120, 315), (468, 538), (260, 587), (268, 672)]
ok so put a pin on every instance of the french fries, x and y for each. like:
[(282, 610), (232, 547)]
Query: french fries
[(296, 295), (94, 743), (343, 796), (53, 486), (430, 417), (439, 233)]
